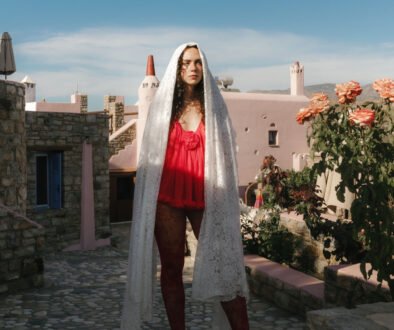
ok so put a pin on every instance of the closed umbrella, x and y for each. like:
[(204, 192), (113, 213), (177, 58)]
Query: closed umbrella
[(7, 62)]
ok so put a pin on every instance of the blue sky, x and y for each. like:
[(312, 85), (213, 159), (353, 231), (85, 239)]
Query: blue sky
[(101, 46)]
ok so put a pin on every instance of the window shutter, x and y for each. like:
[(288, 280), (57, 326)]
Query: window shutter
[(55, 180), (42, 179)]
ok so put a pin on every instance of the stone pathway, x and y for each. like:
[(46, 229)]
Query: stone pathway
[(84, 290)]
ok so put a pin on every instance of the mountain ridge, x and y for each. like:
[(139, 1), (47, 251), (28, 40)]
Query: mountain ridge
[(368, 94)]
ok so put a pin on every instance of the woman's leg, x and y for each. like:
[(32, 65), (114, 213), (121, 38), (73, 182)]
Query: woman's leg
[(237, 313), (170, 237), (235, 309)]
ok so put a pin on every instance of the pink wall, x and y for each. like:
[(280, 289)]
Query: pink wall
[(58, 107), (251, 115)]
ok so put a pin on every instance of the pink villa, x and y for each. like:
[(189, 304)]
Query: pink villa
[(264, 124)]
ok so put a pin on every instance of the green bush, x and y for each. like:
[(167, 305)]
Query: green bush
[(290, 190)]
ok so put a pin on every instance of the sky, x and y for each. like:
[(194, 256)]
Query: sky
[(100, 47)]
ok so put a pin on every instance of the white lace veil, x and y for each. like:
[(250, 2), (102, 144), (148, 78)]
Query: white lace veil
[(219, 273)]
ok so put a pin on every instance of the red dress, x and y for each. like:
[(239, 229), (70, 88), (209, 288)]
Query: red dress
[(182, 180)]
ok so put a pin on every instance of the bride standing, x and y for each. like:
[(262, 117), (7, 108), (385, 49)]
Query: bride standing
[(187, 169)]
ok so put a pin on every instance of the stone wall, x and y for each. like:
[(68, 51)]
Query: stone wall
[(84, 103), (346, 286), (119, 115), (65, 132), (287, 288), (21, 266), (121, 141), (114, 107), (12, 145)]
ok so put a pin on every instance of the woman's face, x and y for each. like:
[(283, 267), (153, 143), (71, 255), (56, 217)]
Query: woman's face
[(191, 70)]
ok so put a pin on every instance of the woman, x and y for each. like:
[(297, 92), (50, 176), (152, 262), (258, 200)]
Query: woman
[(187, 169)]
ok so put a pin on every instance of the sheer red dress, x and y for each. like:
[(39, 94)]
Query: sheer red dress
[(182, 180)]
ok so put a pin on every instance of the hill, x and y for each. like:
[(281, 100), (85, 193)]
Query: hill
[(368, 93)]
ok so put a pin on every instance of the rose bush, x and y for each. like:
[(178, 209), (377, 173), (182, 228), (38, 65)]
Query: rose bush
[(357, 142)]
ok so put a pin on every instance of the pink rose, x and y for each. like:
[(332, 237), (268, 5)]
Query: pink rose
[(304, 115), (362, 117), (348, 92), (319, 103), (385, 88)]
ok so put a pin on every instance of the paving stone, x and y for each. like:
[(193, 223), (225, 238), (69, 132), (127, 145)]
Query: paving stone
[(84, 290)]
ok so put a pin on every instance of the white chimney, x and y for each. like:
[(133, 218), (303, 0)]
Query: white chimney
[(30, 89), (296, 79)]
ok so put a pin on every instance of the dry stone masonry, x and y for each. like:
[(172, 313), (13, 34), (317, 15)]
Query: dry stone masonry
[(65, 133), (122, 140), (29, 227), (12, 145), (20, 240)]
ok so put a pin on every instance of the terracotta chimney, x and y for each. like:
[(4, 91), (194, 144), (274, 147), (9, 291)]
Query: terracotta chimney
[(150, 66), (146, 93)]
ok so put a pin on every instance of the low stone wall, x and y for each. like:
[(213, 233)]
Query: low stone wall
[(21, 265), (287, 288), (346, 286), (340, 285)]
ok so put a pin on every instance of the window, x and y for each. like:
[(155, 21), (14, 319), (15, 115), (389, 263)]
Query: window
[(49, 179), (273, 138)]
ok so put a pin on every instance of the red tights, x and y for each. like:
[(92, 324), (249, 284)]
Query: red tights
[(170, 237)]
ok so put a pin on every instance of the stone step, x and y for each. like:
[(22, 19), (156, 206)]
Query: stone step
[(287, 288)]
